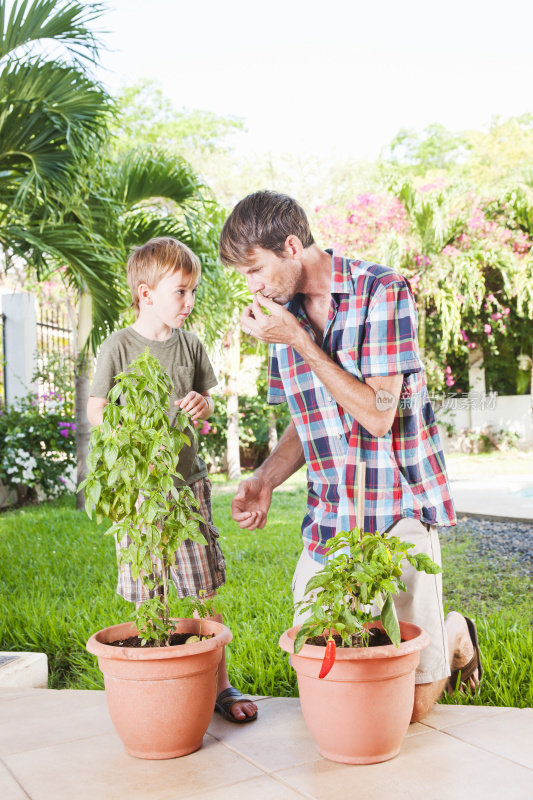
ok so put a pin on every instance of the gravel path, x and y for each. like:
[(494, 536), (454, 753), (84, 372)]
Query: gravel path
[(510, 541)]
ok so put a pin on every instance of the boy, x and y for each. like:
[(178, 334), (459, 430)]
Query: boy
[(163, 276)]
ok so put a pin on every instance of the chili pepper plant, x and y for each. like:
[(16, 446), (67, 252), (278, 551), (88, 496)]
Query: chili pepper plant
[(132, 460), (364, 569)]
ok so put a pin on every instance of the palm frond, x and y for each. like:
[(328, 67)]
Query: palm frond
[(51, 118), (221, 295), (142, 224), (142, 175), (32, 21), (83, 260)]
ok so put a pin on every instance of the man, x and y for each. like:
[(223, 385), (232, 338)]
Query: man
[(343, 354)]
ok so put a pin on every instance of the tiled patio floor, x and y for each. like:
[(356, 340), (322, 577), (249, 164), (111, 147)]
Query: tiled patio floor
[(61, 745)]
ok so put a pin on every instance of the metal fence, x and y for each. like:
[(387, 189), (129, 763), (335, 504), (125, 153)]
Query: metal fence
[(55, 353)]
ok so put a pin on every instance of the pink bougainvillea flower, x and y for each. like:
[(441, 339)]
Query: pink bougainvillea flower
[(487, 328), (206, 427), (464, 336), (496, 315), (449, 381), (506, 311), (491, 298)]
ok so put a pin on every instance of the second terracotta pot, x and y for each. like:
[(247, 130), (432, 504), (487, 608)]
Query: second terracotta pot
[(359, 713), (161, 699)]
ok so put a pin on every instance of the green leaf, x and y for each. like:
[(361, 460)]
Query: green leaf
[(389, 620), (115, 393), (318, 581), (113, 476), (423, 563), (92, 492), (110, 454), (300, 640)]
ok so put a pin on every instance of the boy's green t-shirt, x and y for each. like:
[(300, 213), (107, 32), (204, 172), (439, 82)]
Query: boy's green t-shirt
[(185, 361)]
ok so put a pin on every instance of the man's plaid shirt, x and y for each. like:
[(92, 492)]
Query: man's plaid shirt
[(371, 331)]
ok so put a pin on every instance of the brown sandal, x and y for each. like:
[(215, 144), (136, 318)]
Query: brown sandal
[(464, 673), (226, 699)]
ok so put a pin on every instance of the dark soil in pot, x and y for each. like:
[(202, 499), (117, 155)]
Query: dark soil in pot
[(175, 639), (378, 638)]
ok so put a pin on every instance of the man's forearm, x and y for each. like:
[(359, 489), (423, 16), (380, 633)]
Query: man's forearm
[(286, 458), (356, 397)]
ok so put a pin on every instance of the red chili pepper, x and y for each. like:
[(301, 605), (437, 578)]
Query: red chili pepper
[(329, 658)]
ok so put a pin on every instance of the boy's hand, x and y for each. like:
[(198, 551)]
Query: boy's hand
[(195, 404)]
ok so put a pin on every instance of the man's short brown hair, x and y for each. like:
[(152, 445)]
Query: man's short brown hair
[(262, 219), (159, 257)]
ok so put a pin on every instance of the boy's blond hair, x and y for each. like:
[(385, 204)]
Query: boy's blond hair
[(157, 258)]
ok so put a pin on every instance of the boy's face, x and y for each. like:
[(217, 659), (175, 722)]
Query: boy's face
[(172, 300)]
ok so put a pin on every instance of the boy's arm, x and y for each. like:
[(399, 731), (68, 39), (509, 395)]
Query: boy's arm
[(95, 409)]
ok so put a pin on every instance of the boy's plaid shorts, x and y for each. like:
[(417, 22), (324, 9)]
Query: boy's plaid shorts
[(196, 567)]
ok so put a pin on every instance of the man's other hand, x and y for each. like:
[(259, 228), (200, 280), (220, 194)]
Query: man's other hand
[(249, 507)]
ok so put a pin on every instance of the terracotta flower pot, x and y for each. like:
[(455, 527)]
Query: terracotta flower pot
[(161, 699), (359, 713)]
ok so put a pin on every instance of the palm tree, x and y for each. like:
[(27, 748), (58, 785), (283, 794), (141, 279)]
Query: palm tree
[(142, 194), (433, 226), (68, 203), (65, 206), (515, 209), (456, 275), (53, 117)]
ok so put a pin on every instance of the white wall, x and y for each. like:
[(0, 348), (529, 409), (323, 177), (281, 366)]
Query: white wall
[(20, 343), (507, 412)]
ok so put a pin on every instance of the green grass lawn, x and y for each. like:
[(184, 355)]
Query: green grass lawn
[(58, 579)]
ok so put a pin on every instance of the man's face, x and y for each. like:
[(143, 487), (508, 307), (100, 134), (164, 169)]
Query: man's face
[(277, 277)]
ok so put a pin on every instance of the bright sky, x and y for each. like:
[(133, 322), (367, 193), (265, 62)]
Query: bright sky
[(320, 77)]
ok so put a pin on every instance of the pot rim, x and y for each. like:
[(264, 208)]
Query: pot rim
[(420, 640), (100, 648)]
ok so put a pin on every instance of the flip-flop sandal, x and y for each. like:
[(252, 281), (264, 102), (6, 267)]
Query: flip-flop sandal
[(226, 699), (475, 662)]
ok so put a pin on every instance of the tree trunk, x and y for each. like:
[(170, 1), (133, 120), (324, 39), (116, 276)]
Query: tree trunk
[(531, 385), (422, 329), (232, 435), (83, 428), (272, 431), (476, 371)]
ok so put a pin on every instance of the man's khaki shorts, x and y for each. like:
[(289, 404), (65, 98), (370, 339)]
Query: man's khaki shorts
[(420, 604)]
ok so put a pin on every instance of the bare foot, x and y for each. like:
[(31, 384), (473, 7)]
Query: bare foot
[(461, 649)]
